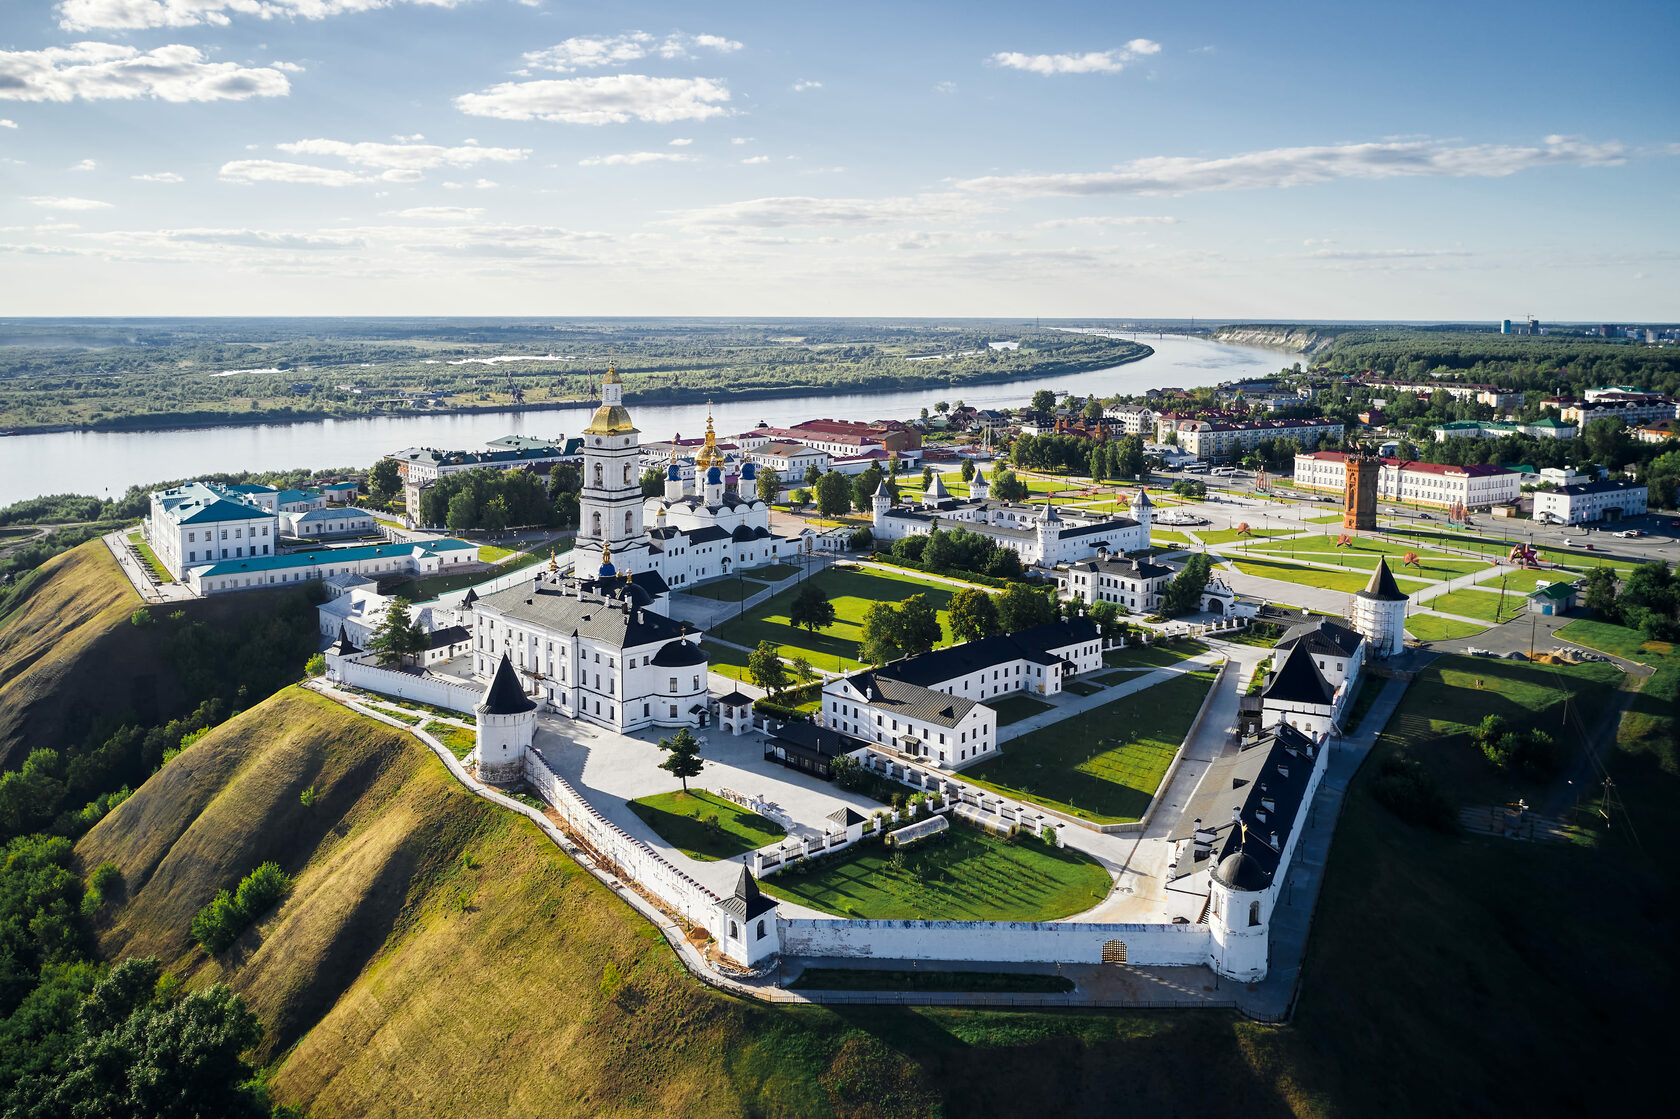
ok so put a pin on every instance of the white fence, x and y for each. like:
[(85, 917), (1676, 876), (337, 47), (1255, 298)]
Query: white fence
[(434, 690), (632, 860), (986, 809), (1066, 942)]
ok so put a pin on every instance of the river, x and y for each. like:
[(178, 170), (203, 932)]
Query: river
[(108, 462)]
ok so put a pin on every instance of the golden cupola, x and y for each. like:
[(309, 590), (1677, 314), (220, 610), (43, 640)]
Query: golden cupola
[(611, 418), (709, 455)]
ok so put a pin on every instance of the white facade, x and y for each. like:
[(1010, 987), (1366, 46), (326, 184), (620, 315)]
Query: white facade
[(1218, 441), (1135, 584), (1039, 534), (199, 524), (1416, 483), (1593, 501), (336, 521), (430, 557)]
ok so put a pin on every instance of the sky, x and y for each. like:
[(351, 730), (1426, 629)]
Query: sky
[(1309, 160)]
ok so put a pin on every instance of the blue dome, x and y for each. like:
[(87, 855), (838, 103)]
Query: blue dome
[(673, 473), (749, 472), (714, 476), (608, 570)]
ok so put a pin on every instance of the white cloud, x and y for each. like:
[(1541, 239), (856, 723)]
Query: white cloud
[(414, 139), (486, 184), (158, 177), (945, 87), (51, 203), (414, 157), (85, 165), (1288, 167), (82, 15), (110, 72), (804, 84), (245, 238), (585, 52), (1099, 221), (1091, 62), (4, 123), (1385, 254), (632, 158), (610, 99), (681, 142), (756, 159), (771, 213), (274, 171), (740, 139), (439, 213)]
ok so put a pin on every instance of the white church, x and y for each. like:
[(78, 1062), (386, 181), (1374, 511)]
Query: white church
[(692, 532)]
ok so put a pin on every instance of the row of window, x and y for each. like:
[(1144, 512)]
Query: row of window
[(238, 534), (238, 553)]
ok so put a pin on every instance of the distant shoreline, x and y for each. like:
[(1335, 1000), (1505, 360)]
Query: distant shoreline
[(664, 395)]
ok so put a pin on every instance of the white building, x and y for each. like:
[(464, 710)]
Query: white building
[(199, 524), (1416, 483), (1591, 501), (418, 558), (1136, 584), (1222, 441), (1378, 613), (1315, 669), (934, 707), (419, 467), (1133, 419), (1039, 534), (1615, 402), (790, 460), (593, 650), (330, 521)]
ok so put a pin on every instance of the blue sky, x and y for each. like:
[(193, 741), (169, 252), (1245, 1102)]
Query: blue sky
[(1303, 160)]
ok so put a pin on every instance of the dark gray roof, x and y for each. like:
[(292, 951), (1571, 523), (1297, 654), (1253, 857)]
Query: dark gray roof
[(705, 535), (558, 607), (971, 656), (645, 586), (846, 817), (747, 902), (504, 696), (912, 701), (1272, 803), (343, 647), (449, 635), (1382, 586), (1601, 486), (1322, 635), (736, 698), (814, 741), (1124, 567), (1299, 681), (679, 654), (1099, 526)]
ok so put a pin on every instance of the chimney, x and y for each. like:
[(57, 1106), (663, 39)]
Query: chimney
[(1275, 846)]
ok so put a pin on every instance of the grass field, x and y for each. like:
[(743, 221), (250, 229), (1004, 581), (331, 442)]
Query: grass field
[(1369, 689), (1489, 606), (964, 875), (1345, 581), (1426, 627), (1013, 709), (1518, 579), (1433, 566), (459, 740), (493, 553), (1327, 519), (1213, 536), (429, 587), (1499, 546), (1152, 656), (1105, 764), (1649, 727), (728, 590), (684, 821), (726, 661), (869, 979), (775, 572), (153, 564), (1159, 538), (852, 591)]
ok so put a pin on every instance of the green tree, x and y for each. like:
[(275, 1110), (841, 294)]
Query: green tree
[(1601, 592), (653, 482), (769, 486), (919, 629), (811, 609), (386, 478), (861, 540), (834, 495), (882, 639), (30, 793), (397, 636), (812, 474), (683, 760), (973, 614), (968, 469), (1043, 401), (942, 407), (1007, 487), (1022, 607), (865, 485), (764, 666), (1093, 410), (1184, 593), (927, 476), (463, 512)]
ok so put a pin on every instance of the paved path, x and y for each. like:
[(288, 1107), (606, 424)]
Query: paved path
[(1068, 704)]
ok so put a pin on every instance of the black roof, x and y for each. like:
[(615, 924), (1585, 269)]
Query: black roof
[(815, 741), (470, 597), (601, 617), (449, 635), (1272, 802), (343, 646), (846, 817), (705, 535), (971, 656), (736, 698), (647, 585), (913, 701), (1299, 681), (679, 654), (747, 902), (504, 696), (1322, 635), (1382, 586)]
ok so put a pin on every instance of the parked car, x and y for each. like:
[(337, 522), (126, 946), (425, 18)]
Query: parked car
[(1424, 517), (1630, 534)]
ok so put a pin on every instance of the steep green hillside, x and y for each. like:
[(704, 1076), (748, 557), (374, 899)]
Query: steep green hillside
[(439, 956)]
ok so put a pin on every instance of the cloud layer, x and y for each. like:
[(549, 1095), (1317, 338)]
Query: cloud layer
[(414, 157), (586, 53), (86, 15), (609, 99), (1090, 62), (1290, 167), (111, 72)]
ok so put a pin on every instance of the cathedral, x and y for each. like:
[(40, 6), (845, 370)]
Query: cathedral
[(688, 534)]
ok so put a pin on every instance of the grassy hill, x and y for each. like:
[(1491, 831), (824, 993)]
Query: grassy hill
[(439, 956)]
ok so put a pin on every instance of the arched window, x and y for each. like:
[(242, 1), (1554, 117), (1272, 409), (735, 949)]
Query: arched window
[(733, 930), (627, 523), (761, 930), (594, 524), (598, 475), (627, 474), (1253, 913)]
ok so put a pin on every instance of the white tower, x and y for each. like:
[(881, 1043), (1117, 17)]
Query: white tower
[(1141, 506), (507, 719), (879, 504), (610, 507), (979, 489), (673, 479), (1378, 614), (1239, 915), (1048, 528)]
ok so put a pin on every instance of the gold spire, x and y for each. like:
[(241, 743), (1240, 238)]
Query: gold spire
[(612, 374), (553, 564), (606, 552), (709, 454)]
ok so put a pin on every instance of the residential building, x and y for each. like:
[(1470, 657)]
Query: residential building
[(1491, 395), (1133, 419), (1590, 501), (1632, 408), (201, 523), (1220, 441), (299, 501), (1415, 483), (327, 522), (1039, 534), (1136, 584), (341, 493), (790, 461), (1659, 432)]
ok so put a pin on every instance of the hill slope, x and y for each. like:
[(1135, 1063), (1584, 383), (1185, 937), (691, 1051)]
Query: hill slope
[(439, 956)]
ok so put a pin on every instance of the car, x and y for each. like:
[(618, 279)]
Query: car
[(1630, 534), (1424, 517), (1674, 524)]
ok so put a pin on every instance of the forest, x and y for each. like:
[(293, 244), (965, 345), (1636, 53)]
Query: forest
[(158, 373)]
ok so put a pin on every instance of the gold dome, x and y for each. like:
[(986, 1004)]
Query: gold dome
[(709, 454), (611, 419)]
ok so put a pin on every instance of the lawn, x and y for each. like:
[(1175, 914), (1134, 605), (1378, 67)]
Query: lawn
[(159, 572), (1327, 519), (1519, 579), (685, 821), (1345, 581), (427, 588), (1081, 688), (1370, 688), (870, 979), (776, 572), (726, 660), (1215, 536), (492, 553), (1648, 728), (1152, 656), (963, 875), (1123, 676), (1427, 627), (1498, 546), (1165, 537), (728, 590), (1431, 566), (1013, 709), (459, 740), (1490, 606), (853, 592), (1104, 764)]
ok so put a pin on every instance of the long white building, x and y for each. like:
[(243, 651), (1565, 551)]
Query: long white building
[(199, 524), (1591, 501), (1416, 483)]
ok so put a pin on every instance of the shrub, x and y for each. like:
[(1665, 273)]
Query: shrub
[(308, 797), (219, 924), (779, 711), (315, 666), (1048, 835), (261, 890), (142, 619)]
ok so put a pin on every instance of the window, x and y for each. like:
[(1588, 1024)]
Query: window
[(733, 930), (672, 685), (673, 711), (761, 930), (1253, 913), (696, 683)]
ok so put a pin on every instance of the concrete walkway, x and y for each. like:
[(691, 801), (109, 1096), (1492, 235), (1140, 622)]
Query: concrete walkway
[(1068, 704)]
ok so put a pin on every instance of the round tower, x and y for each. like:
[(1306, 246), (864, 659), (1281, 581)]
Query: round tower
[(1378, 613), (673, 478), (1238, 916), (1047, 530), (880, 504), (979, 488), (507, 719), (1141, 512)]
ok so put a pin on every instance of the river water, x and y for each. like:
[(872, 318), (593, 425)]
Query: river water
[(107, 463)]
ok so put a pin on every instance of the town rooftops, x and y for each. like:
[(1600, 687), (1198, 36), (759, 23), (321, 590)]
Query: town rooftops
[(431, 456), (339, 487), (447, 636), (1479, 470), (810, 740), (1271, 780), (1123, 566), (200, 503), (292, 497), (337, 513), (1556, 592)]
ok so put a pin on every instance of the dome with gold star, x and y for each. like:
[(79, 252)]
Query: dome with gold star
[(611, 418)]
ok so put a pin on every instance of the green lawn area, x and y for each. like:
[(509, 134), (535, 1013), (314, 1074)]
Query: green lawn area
[(1122, 676), (459, 740), (852, 591), (728, 590), (1104, 764), (1327, 519), (492, 553), (1426, 627), (1213, 536), (425, 589), (1490, 606), (1346, 581), (1152, 656), (1012, 709), (684, 821), (1494, 545), (726, 661), (775, 572), (1433, 566), (1081, 688), (1518, 579), (1369, 689), (1648, 728), (150, 557), (962, 875), (870, 979), (1159, 536)]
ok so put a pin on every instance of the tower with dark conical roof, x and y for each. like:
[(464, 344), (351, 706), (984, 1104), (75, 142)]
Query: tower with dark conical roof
[(507, 722), (1378, 613)]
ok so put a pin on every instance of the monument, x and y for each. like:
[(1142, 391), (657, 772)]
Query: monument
[(1359, 509)]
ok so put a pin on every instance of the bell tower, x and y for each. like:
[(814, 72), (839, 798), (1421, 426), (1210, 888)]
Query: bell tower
[(610, 507)]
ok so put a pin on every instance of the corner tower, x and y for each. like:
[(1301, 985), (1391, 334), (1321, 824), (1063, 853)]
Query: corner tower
[(507, 720), (1378, 613)]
